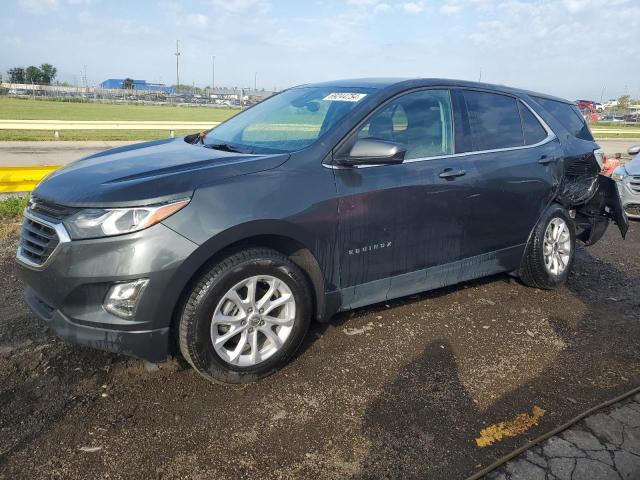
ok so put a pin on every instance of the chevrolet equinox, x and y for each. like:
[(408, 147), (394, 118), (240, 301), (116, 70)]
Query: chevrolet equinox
[(223, 246)]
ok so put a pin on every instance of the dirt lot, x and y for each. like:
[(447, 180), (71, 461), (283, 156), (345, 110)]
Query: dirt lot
[(396, 390)]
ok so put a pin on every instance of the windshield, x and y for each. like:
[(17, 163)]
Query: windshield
[(289, 121)]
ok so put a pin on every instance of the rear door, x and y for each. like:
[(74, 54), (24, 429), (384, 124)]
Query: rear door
[(514, 158)]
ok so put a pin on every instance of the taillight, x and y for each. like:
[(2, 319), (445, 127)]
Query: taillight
[(600, 158)]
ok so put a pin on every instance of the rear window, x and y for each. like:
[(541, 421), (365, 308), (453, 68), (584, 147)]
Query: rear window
[(494, 120), (534, 132), (569, 116)]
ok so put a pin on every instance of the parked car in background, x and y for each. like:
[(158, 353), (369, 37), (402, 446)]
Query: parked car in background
[(627, 177), (223, 247), (586, 104), (612, 118)]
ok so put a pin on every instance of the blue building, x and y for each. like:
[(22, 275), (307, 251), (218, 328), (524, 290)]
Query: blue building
[(115, 83)]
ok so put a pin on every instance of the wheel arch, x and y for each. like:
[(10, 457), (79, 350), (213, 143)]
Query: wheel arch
[(280, 236)]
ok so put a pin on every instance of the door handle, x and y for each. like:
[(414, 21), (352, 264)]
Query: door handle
[(451, 173), (544, 160)]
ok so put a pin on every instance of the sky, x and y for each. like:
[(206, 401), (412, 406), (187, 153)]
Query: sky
[(570, 48)]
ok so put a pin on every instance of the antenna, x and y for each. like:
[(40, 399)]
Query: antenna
[(177, 54)]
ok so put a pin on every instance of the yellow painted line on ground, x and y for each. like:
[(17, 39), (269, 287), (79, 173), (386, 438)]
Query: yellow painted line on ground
[(520, 424), (23, 179)]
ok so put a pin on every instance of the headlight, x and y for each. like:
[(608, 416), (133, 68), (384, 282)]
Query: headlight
[(105, 222), (619, 174)]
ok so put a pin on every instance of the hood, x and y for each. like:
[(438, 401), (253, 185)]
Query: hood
[(633, 167), (147, 173)]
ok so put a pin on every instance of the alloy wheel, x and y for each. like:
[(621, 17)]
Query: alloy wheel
[(253, 320), (556, 247)]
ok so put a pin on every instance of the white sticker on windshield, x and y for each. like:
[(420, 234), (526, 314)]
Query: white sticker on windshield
[(345, 97)]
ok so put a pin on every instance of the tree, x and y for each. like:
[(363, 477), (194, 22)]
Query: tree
[(48, 73), (16, 75), (127, 84), (32, 75), (624, 102)]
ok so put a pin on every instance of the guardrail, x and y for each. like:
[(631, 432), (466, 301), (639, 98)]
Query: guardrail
[(23, 179), (56, 125)]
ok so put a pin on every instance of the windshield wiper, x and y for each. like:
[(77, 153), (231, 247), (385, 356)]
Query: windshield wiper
[(222, 146)]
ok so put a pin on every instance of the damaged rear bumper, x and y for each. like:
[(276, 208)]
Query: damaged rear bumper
[(605, 205)]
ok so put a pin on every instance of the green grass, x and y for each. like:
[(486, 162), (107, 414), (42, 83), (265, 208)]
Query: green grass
[(26, 109), (12, 207), (609, 136), (10, 215), (29, 109), (102, 135), (616, 125)]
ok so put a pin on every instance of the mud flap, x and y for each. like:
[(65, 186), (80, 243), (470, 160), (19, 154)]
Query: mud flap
[(605, 205)]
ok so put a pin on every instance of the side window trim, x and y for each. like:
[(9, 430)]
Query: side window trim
[(452, 92)]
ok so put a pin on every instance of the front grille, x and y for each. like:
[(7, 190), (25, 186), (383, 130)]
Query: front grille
[(50, 209), (635, 184), (37, 242)]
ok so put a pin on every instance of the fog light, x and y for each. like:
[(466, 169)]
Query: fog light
[(122, 299)]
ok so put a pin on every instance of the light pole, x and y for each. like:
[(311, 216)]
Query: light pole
[(177, 54), (213, 72), (255, 81)]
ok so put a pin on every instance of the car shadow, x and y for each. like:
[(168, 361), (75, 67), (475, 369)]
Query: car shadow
[(424, 423)]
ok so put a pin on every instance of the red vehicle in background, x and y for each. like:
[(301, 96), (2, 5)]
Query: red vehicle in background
[(582, 104)]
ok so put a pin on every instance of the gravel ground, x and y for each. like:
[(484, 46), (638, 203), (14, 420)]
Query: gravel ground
[(397, 390)]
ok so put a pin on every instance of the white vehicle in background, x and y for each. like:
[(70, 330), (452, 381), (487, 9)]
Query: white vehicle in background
[(599, 107), (627, 177)]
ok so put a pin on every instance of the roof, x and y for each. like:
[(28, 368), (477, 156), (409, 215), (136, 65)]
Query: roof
[(402, 83)]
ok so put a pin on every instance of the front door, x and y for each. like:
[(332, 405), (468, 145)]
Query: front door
[(395, 219)]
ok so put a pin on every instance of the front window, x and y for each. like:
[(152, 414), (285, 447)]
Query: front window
[(289, 121), (420, 121)]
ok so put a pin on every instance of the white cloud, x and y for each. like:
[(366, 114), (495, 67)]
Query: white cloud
[(193, 20), (363, 3), (413, 7), (242, 7), (38, 6), (450, 8), (381, 8)]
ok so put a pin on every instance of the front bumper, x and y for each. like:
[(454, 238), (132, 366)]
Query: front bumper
[(630, 198), (150, 345), (68, 292)]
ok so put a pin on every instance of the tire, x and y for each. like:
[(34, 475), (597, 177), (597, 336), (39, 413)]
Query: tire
[(224, 291), (537, 269)]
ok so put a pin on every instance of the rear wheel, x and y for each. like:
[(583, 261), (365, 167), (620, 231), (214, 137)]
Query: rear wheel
[(549, 255), (245, 317)]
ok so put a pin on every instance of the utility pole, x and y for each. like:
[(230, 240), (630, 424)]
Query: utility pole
[(177, 54), (255, 81), (213, 72)]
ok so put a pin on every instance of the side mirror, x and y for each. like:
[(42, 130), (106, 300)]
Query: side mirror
[(369, 151), (634, 150)]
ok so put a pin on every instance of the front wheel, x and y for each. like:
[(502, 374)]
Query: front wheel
[(549, 254), (245, 317)]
